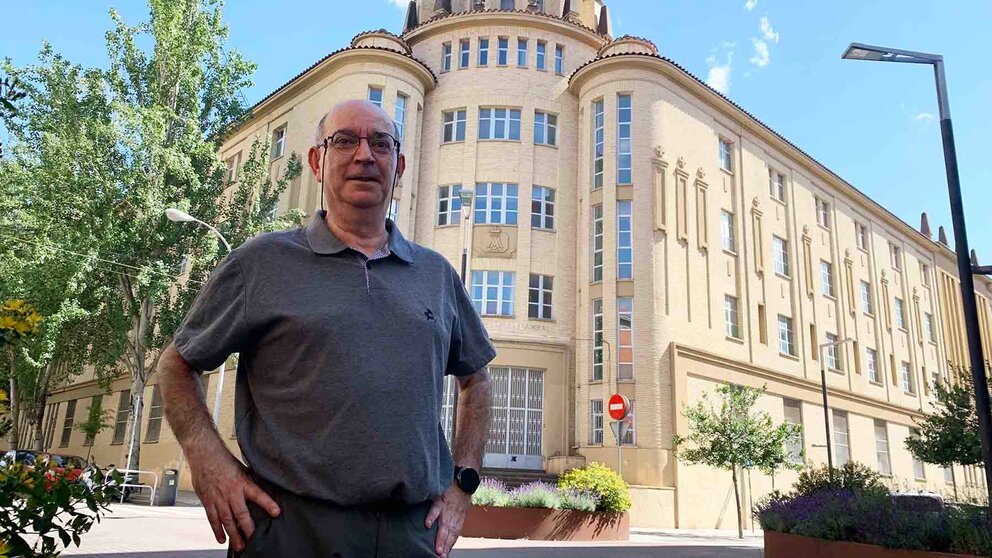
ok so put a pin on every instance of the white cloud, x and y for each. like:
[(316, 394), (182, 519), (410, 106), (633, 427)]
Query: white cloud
[(924, 116), (718, 76), (766, 30), (402, 4), (750, 4), (761, 56)]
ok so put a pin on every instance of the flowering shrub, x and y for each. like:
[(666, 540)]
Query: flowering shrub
[(582, 500), (610, 488), (536, 495), (851, 476), (493, 492)]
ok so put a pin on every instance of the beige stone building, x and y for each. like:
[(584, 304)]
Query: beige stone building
[(631, 230)]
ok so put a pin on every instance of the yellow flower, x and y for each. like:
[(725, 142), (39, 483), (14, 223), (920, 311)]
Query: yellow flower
[(7, 322), (14, 305)]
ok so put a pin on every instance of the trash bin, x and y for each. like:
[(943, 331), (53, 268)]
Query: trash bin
[(169, 488)]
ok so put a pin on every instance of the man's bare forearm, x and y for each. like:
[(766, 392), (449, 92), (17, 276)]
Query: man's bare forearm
[(182, 396), (474, 402)]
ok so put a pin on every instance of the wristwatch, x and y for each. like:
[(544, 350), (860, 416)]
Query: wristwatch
[(467, 479)]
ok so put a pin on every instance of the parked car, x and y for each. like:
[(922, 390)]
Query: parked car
[(72, 466), (27, 457)]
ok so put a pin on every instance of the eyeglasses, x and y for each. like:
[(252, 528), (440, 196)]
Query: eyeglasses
[(346, 143)]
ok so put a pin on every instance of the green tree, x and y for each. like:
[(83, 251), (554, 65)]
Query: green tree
[(734, 436), (97, 420)]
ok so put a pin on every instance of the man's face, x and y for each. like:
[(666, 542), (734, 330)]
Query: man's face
[(357, 178)]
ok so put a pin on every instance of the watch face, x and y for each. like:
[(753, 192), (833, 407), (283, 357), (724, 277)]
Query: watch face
[(469, 480)]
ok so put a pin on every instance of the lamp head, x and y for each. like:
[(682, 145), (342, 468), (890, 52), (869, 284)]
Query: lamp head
[(178, 216)]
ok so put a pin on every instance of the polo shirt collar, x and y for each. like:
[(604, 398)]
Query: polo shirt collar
[(322, 240)]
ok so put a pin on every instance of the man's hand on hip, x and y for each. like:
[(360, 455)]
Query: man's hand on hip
[(449, 511), (224, 488)]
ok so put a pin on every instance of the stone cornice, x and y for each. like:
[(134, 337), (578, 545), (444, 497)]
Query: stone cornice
[(480, 18)]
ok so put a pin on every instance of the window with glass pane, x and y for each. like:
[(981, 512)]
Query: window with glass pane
[(794, 445), (867, 305), (483, 51), (625, 242), (781, 251), (449, 205), (624, 157), (70, 415), (597, 243), (539, 297), (874, 375), (599, 143), (833, 353), (823, 213), (596, 422), (463, 53), (776, 181), (919, 470), (499, 124), (625, 338), (597, 339), (908, 385), (727, 231), (928, 327), (394, 206), (862, 231), (896, 253), (545, 128), (278, 142), (522, 53), (154, 416), (900, 311), (492, 292), (507, 5), (630, 437), (495, 203), (453, 126), (786, 344), (542, 207), (542, 53), (842, 444), (502, 51), (375, 95), (446, 57), (882, 448), (123, 412), (399, 115), (726, 160), (827, 278), (731, 317), (925, 274), (948, 475), (559, 59)]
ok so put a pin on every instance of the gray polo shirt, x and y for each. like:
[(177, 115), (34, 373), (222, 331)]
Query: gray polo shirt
[(342, 361)]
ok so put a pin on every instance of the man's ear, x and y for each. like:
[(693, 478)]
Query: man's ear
[(400, 167), (314, 162)]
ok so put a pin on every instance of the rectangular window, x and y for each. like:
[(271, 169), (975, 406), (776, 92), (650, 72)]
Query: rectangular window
[(394, 206), (625, 338), (507, 5), (727, 231), (948, 475), (919, 470), (495, 203), (630, 437), (154, 416), (545, 128), (776, 181), (232, 163), (539, 297), (597, 243), (50, 423), (399, 115), (375, 95), (874, 375), (625, 243), (483, 51), (907, 379), (731, 317), (542, 52), (453, 126), (867, 304), (542, 208), (278, 142), (596, 422), (95, 403), (925, 274), (502, 51), (123, 413), (559, 59), (521, 53), (624, 157), (463, 53), (833, 353), (882, 448), (928, 327), (794, 415), (827, 278), (70, 415), (598, 143), (499, 124), (597, 340), (862, 232), (823, 213), (786, 336), (896, 254), (726, 158), (492, 292), (842, 443), (900, 311), (781, 251), (446, 57)]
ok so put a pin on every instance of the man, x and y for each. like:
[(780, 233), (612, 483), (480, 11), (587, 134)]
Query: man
[(345, 331)]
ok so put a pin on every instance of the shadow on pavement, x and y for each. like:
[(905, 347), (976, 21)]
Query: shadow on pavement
[(646, 551)]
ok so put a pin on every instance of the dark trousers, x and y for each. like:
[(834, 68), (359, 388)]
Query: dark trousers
[(312, 528)]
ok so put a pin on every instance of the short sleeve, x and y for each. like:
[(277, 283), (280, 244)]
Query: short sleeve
[(470, 348), (215, 326)]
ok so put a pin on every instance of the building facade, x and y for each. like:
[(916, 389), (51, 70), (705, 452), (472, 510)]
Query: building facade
[(631, 231)]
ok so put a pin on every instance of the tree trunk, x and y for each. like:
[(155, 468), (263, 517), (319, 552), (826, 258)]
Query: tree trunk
[(954, 483), (39, 415), (737, 500)]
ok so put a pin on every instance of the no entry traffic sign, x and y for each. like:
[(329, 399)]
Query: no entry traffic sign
[(619, 407)]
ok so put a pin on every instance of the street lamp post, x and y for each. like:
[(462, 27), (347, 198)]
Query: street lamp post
[(826, 410), (465, 197), (859, 51)]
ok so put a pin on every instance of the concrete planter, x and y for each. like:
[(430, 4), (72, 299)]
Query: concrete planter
[(544, 524), (781, 545)]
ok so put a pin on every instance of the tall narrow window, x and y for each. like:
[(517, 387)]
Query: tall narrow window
[(545, 128), (776, 182), (399, 115), (874, 374), (794, 445), (625, 338), (123, 412), (70, 415), (882, 447), (928, 327), (867, 304), (726, 156), (499, 123), (833, 352), (495, 203), (597, 340), (453, 126), (96, 407), (925, 274), (394, 207), (907, 379), (449, 205), (596, 422), (598, 143), (862, 232), (278, 142), (781, 250), (446, 57), (539, 297), (542, 54), (502, 51), (823, 213), (896, 254), (625, 244), (154, 416), (542, 208), (597, 243), (762, 325), (521, 53), (463, 53), (842, 444), (492, 292), (559, 59), (727, 231), (919, 470), (483, 51), (786, 336), (624, 158), (827, 278), (731, 317), (900, 312)]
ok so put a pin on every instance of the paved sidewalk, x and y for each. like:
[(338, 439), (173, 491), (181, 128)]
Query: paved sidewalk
[(140, 531)]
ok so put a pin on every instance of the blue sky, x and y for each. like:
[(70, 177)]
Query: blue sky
[(873, 124)]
